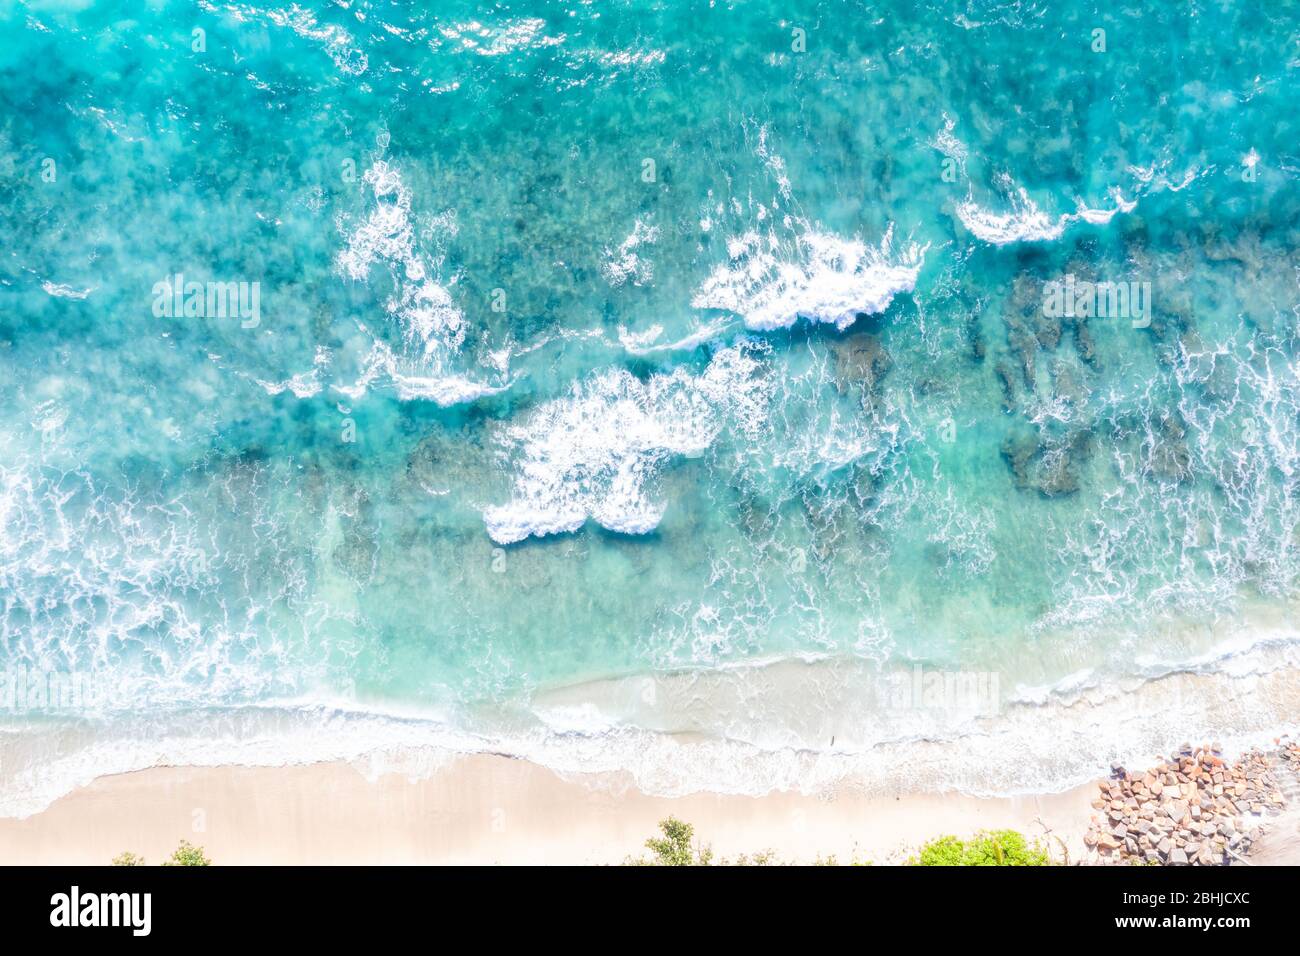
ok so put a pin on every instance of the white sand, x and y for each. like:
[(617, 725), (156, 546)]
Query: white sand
[(485, 809)]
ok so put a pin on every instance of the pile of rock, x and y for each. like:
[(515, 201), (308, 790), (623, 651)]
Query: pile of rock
[(1194, 808), (1289, 751)]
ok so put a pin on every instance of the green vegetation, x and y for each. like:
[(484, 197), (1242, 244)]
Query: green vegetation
[(674, 847), (185, 855), (986, 848), (188, 855), (677, 847)]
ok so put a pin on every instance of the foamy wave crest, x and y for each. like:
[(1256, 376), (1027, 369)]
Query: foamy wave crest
[(627, 263), (782, 268), (428, 316), (647, 342), (304, 384), (772, 281), (62, 291), (383, 364), (431, 325), (1025, 222), (597, 452)]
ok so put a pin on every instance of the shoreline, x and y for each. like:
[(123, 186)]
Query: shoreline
[(738, 732), (489, 809), (382, 792)]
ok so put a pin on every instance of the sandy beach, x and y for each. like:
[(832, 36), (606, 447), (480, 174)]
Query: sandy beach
[(486, 810), (489, 808)]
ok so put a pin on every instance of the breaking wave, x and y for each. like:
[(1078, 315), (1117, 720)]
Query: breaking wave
[(597, 452)]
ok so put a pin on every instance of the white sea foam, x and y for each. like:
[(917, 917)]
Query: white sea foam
[(428, 316), (48, 417), (772, 280), (783, 726), (44, 765), (597, 452), (431, 325), (1162, 546), (383, 364), (647, 342), (946, 142), (1024, 221), (61, 291), (1155, 176), (628, 262), (93, 575), (304, 384), (781, 268), (775, 165)]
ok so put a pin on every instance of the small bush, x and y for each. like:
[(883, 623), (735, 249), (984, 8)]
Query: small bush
[(986, 848), (674, 848), (188, 855), (128, 859), (761, 858)]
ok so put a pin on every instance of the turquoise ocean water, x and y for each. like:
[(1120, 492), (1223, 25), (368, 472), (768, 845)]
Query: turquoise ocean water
[(632, 385)]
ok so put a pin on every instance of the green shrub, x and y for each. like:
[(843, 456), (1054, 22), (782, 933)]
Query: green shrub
[(986, 848), (674, 848), (128, 859), (761, 858), (188, 855)]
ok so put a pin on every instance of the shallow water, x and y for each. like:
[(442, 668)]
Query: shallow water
[(601, 342)]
